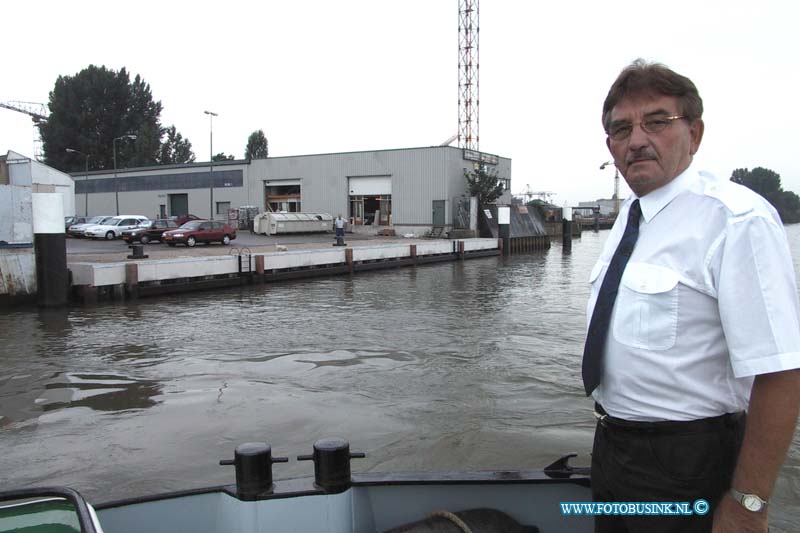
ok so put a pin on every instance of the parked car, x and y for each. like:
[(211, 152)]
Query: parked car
[(78, 230), (183, 219), (71, 221), (149, 231), (195, 231), (113, 228)]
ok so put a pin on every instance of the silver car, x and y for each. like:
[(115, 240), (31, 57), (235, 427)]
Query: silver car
[(77, 230), (112, 228)]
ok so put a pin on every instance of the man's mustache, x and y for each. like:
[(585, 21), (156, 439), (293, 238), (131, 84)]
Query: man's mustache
[(642, 155)]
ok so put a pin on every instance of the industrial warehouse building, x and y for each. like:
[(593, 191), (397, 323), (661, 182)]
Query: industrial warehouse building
[(409, 189)]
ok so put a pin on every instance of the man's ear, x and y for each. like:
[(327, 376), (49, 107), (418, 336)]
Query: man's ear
[(696, 130)]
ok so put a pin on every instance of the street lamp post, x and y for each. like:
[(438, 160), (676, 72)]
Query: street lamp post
[(85, 181), (211, 116), (114, 150), (616, 185)]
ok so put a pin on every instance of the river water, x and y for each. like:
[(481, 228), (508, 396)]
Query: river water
[(458, 365)]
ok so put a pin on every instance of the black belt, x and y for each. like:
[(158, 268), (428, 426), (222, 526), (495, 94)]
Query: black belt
[(669, 426)]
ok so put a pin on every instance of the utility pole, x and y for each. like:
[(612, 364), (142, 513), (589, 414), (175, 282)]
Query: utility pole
[(114, 151), (211, 116), (85, 180)]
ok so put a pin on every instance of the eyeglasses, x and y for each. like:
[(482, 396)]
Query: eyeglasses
[(619, 131)]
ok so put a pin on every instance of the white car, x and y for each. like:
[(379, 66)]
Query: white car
[(113, 227), (78, 230)]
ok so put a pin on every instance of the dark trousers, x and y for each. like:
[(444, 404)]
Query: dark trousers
[(664, 462), (340, 232)]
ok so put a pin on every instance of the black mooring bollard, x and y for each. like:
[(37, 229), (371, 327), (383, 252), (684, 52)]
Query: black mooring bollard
[(138, 252), (332, 464), (253, 462)]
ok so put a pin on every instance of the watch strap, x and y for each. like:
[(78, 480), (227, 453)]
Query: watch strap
[(742, 496)]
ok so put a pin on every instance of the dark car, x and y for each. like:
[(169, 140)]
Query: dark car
[(71, 221), (207, 231), (149, 231), (183, 219)]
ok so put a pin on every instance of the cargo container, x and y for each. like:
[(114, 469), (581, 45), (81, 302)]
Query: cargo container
[(282, 223)]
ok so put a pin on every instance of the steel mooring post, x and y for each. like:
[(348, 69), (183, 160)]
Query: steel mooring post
[(566, 228), (504, 227), (50, 248)]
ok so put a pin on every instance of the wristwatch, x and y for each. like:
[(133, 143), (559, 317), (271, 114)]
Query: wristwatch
[(751, 502)]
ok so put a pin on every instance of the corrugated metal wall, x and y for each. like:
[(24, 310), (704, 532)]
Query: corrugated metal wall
[(419, 177)]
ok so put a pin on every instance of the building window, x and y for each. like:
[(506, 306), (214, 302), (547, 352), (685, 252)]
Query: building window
[(223, 207)]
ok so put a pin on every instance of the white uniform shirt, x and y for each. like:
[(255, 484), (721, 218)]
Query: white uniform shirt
[(707, 301)]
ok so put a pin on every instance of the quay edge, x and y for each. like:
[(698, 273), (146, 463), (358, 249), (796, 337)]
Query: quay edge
[(97, 282)]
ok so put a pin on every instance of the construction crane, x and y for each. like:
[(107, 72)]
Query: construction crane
[(529, 194), (38, 113), (449, 140), (616, 185)]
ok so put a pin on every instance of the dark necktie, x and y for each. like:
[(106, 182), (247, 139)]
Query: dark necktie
[(601, 316)]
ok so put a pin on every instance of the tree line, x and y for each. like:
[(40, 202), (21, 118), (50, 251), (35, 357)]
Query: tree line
[(767, 183), (99, 113)]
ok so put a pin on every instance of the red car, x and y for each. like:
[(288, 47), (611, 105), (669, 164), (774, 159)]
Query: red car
[(195, 231)]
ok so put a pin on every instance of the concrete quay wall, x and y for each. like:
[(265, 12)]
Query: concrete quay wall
[(93, 282)]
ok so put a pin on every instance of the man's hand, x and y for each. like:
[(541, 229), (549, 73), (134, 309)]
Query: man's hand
[(771, 420), (731, 517)]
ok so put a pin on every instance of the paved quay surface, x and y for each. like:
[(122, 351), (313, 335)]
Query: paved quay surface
[(101, 251)]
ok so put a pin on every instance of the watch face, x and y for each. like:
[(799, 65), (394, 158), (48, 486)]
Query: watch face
[(751, 503)]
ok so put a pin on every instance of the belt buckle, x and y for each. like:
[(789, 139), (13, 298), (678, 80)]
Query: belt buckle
[(601, 417)]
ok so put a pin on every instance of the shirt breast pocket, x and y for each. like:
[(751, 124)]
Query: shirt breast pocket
[(646, 309)]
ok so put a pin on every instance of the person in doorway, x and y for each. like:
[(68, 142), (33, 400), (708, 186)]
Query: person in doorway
[(339, 224), (693, 346)]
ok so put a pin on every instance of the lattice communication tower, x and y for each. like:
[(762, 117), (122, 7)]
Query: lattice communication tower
[(468, 74)]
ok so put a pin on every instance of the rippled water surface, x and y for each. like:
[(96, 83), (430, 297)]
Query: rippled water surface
[(454, 365)]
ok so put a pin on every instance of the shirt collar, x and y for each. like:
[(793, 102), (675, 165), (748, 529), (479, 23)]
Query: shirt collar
[(653, 202)]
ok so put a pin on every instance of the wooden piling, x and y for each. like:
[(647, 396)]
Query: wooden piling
[(348, 257), (132, 280)]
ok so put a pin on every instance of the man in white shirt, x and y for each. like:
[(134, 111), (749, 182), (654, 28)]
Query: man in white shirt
[(694, 319), (339, 224)]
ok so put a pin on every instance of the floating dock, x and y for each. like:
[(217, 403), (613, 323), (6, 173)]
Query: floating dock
[(96, 282)]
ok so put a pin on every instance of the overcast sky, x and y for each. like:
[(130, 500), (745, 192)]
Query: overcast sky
[(323, 76)]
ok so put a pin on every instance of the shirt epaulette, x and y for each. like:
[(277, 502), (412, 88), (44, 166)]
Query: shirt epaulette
[(737, 198)]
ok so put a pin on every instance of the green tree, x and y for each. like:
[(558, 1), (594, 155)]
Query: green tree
[(483, 184), (789, 207), (175, 150), (222, 157), (257, 146), (762, 180), (767, 183), (538, 206), (93, 107)]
